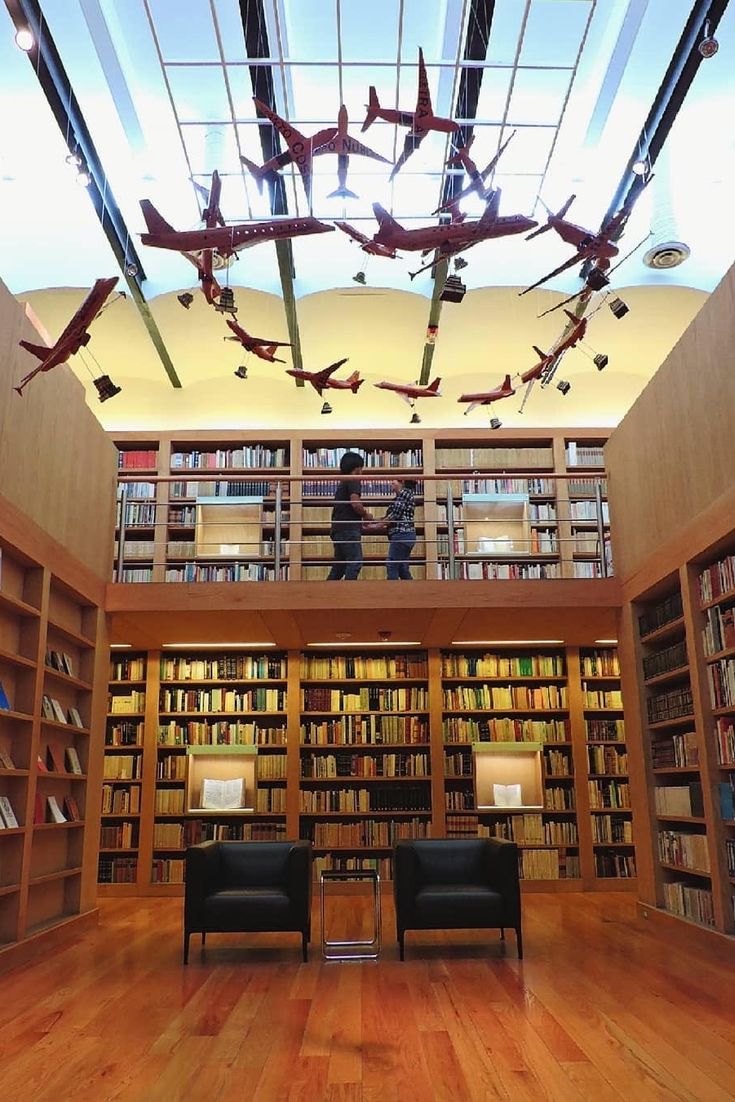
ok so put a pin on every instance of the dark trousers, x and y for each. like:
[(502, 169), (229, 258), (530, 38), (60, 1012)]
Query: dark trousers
[(347, 564), (400, 547)]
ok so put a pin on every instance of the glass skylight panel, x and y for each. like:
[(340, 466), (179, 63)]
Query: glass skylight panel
[(356, 81), (518, 193), (210, 147), (485, 145), (315, 93), (554, 32), (369, 30), (417, 196), (229, 21), (249, 137), (493, 94), (185, 36), (241, 90), (199, 93), (504, 31), (423, 25), (233, 201), (538, 96), (309, 32), (528, 151)]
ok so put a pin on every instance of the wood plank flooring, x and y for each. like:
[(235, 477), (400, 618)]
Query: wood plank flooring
[(601, 1009)]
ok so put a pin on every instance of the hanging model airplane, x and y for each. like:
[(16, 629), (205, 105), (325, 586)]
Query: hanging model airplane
[(486, 398), (411, 391), (477, 178), (74, 336), (211, 246), (448, 240), (545, 360), (420, 121), (597, 247), (345, 146), (262, 348), (322, 380), (301, 150), (367, 244)]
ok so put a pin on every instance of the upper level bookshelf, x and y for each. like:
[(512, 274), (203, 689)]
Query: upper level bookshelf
[(399, 456)]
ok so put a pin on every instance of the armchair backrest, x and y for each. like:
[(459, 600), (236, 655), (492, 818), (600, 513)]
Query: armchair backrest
[(450, 861), (254, 864)]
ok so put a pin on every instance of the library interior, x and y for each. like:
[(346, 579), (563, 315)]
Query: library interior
[(445, 809)]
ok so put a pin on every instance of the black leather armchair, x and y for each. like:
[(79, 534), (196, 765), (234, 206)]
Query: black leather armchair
[(248, 886), (456, 883)]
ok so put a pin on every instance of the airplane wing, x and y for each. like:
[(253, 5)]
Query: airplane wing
[(557, 271), (424, 109), (325, 374), (412, 141), (355, 148), (356, 235)]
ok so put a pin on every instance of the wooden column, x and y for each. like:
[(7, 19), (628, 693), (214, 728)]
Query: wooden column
[(436, 745), (579, 757), (293, 736), (150, 762)]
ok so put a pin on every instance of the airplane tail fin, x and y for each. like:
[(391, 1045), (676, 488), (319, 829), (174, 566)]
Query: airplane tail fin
[(541, 355), (434, 387), (506, 383), (386, 222), (255, 171), (550, 215), (38, 350), (154, 221), (342, 193), (459, 154), (355, 381), (572, 317), (373, 107)]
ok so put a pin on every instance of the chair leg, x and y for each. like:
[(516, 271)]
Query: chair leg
[(402, 944), (305, 945), (519, 942), (502, 933), (187, 935)]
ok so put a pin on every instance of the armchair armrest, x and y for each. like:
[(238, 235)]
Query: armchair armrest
[(501, 865), (405, 881), (300, 860), (202, 874)]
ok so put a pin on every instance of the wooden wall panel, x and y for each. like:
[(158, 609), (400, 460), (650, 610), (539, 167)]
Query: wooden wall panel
[(671, 457), (57, 464)]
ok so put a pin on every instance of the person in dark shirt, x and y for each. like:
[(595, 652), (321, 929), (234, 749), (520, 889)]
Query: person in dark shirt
[(348, 513), (399, 524)]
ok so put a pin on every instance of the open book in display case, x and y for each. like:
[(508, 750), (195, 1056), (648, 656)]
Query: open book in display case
[(221, 779)]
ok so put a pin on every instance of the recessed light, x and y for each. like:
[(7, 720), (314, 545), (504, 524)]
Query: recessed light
[(119, 646), (506, 642), (371, 643), (24, 39), (215, 646), (607, 642)]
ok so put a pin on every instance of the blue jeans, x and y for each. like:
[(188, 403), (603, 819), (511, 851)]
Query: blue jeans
[(400, 547), (347, 564)]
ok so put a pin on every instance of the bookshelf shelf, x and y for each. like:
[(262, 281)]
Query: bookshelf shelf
[(53, 775), (50, 877), (678, 674), (9, 658), (74, 825), (686, 869), (70, 728), (8, 832), (17, 606), (676, 721), (665, 632), (67, 679), (22, 717), (69, 633)]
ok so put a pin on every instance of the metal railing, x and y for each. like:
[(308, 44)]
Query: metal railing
[(264, 526)]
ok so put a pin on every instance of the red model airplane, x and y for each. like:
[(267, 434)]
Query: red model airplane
[(420, 121), (258, 345), (344, 145), (367, 244), (301, 150), (477, 179), (204, 248), (486, 398), (576, 333), (74, 336), (448, 240), (589, 246), (539, 369), (322, 380), (411, 391), (211, 215)]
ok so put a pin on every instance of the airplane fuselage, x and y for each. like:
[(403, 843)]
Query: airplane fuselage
[(409, 391), (227, 240), (582, 239), (452, 237)]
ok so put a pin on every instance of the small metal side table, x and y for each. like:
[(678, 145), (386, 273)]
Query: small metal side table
[(351, 950)]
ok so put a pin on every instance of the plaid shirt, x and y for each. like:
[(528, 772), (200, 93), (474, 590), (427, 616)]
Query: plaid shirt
[(400, 512)]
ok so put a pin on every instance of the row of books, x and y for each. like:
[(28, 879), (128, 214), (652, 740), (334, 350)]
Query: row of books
[(182, 516), (459, 799), (539, 542), (122, 767), (124, 734), (608, 793), (533, 830), (600, 663), (557, 763), (493, 697), (225, 667), (372, 457), (169, 801), (619, 866), (674, 704), (223, 733), (340, 862), (249, 455), (120, 836), (8, 818), (498, 457), (602, 698), (270, 801), (587, 511), (132, 458), (458, 764), (59, 759), (688, 902), (326, 766), (52, 709), (725, 736), (124, 668), (171, 767), (604, 730), (687, 851), (364, 666), (138, 514), (369, 487), (662, 613), (548, 864), (675, 751), (247, 487), (205, 701), (584, 455), (679, 799), (537, 511), (607, 759), (271, 767), (137, 491), (504, 729), (117, 800), (348, 800), (499, 571), (233, 572), (59, 660), (365, 730), (718, 632), (721, 680), (126, 703), (726, 793), (136, 574), (369, 698), (376, 833), (117, 870), (717, 579), (502, 665), (49, 810), (612, 828), (666, 660)]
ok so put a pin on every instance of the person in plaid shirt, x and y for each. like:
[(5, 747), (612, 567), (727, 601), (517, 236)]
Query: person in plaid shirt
[(398, 522)]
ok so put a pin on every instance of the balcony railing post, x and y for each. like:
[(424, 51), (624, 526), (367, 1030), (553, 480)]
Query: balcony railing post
[(450, 531), (600, 528), (123, 507), (277, 531)]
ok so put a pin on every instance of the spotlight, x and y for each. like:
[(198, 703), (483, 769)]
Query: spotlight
[(106, 388), (453, 290), (242, 372), (326, 408), (185, 299), (459, 264), (73, 159), (415, 419), (226, 302), (708, 47), (384, 636), (24, 39), (639, 166), (83, 178), (359, 278), (495, 422), (564, 386), (131, 270), (618, 307), (600, 361), (597, 279)]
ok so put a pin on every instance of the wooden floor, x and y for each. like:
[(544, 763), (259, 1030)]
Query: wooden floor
[(600, 1009)]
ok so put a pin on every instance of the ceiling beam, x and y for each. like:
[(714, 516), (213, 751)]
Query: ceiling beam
[(257, 46), (55, 84), (479, 22)]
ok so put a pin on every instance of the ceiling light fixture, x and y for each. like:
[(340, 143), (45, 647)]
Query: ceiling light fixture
[(215, 646), (120, 646), (506, 642), (83, 178), (708, 47), (371, 643), (640, 167), (73, 160), (24, 39), (607, 642)]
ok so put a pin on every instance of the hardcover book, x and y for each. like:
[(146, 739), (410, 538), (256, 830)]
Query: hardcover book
[(59, 714), (55, 758), (5, 704), (6, 762), (74, 717), (39, 809), (72, 809), (7, 815), (72, 760), (47, 707), (57, 815)]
